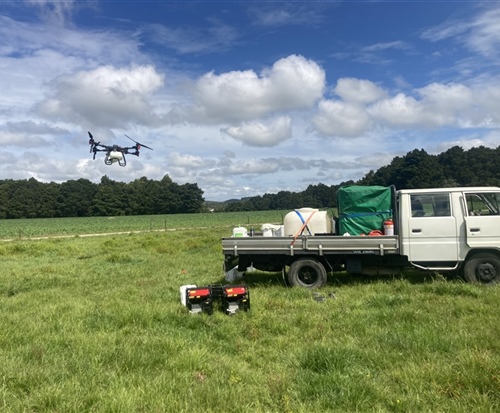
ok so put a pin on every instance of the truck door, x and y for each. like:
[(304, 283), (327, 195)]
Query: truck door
[(483, 219), (432, 229)]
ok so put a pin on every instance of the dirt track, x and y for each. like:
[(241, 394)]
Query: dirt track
[(101, 234)]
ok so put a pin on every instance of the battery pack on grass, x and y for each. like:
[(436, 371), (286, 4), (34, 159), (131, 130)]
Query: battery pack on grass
[(235, 298), (199, 300)]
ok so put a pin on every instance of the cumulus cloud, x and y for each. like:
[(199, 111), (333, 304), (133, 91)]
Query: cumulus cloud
[(365, 107), (107, 96), (178, 160), (337, 118), (399, 110), (358, 90), (260, 133), (435, 105), (292, 83), (348, 117)]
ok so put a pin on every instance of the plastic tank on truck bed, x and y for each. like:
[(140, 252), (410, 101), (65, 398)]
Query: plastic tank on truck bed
[(307, 221)]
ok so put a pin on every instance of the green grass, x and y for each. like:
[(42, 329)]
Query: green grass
[(40, 227), (96, 325)]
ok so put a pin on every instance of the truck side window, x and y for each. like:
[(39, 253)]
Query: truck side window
[(417, 209), (485, 204), (441, 204), (433, 205)]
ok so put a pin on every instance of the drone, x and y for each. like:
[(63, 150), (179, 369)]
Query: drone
[(115, 153)]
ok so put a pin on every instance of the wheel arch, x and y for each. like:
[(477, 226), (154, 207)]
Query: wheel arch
[(477, 251), (321, 259)]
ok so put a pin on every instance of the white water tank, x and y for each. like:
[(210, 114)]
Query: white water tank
[(319, 222)]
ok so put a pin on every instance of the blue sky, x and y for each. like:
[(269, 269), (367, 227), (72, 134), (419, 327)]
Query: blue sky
[(243, 97)]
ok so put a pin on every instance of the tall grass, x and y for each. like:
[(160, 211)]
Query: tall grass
[(96, 325)]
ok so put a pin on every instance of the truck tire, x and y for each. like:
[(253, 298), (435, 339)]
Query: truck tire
[(482, 268), (307, 273)]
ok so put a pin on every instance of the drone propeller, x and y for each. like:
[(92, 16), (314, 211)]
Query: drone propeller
[(139, 145), (93, 145)]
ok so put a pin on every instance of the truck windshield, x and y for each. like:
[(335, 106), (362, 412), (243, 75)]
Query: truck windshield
[(486, 203)]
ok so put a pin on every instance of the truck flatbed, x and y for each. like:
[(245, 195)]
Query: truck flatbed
[(317, 244)]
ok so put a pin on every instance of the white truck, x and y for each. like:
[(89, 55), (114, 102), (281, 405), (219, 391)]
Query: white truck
[(438, 229)]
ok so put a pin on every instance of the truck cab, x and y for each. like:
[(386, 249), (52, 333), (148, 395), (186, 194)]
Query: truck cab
[(446, 229)]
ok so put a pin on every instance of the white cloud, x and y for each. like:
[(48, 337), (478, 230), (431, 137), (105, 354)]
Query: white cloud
[(358, 90), (285, 14), (28, 133), (485, 33), (292, 83), (400, 110), (29, 39), (178, 160), (56, 11), (336, 118), (215, 38), (366, 107), (252, 166), (260, 133), (107, 97), (480, 33)]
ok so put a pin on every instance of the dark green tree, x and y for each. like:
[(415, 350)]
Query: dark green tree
[(110, 198), (191, 199), (167, 198), (76, 198), (142, 196)]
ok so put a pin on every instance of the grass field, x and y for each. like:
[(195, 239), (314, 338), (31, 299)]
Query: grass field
[(42, 227), (95, 324)]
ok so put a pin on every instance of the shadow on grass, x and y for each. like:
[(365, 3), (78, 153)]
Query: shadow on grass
[(257, 278), (410, 275), (262, 278)]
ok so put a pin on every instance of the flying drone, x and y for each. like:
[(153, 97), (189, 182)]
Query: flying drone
[(115, 153)]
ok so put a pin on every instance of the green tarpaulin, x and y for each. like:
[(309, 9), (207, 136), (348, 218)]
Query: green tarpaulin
[(363, 208)]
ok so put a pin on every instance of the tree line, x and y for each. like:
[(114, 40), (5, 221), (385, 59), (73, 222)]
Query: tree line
[(417, 169), (83, 198)]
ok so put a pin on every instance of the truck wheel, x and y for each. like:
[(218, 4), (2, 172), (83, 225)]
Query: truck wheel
[(482, 268), (307, 273)]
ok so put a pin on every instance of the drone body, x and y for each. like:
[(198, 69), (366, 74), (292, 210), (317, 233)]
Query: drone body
[(115, 153)]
